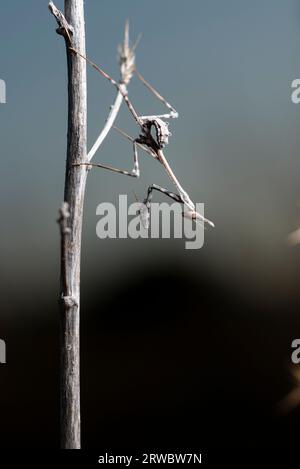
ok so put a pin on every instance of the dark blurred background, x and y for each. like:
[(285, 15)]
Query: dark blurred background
[(179, 347)]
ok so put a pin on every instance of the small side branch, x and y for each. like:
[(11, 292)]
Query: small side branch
[(64, 216), (63, 221), (64, 28)]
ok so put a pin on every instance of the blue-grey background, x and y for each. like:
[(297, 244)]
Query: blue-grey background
[(227, 67)]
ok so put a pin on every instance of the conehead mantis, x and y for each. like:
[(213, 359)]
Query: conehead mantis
[(153, 143)]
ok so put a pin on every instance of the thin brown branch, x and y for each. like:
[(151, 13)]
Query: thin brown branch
[(71, 222)]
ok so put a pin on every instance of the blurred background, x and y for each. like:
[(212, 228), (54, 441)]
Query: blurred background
[(179, 347)]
